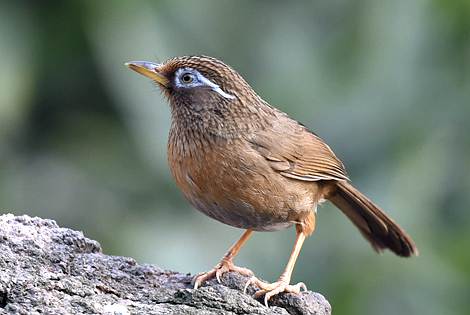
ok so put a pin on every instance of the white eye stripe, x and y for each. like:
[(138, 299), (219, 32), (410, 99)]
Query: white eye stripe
[(200, 80), (215, 87)]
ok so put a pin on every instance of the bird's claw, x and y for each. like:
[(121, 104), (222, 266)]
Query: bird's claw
[(217, 272), (271, 289)]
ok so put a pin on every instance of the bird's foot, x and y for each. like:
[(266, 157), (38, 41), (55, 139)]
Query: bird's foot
[(271, 289), (225, 265)]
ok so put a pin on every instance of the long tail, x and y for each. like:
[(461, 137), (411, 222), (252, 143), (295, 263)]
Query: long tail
[(377, 227)]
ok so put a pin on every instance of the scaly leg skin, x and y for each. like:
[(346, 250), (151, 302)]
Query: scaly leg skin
[(282, 284), (226, 264)]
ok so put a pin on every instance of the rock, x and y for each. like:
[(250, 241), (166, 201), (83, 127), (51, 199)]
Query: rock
[(46, 269)]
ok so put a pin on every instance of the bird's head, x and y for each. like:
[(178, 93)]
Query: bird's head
[(192, 80), (205, 90)]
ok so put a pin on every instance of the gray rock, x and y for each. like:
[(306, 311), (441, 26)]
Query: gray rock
[(46, 269)]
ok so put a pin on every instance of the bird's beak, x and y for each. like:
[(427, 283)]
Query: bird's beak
[(148, 69)]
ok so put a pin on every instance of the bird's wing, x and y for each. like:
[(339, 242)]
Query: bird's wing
[(295, 152)]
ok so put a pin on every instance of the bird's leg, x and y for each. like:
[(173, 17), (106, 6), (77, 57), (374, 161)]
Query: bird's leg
[(226, 264), (282, 284)]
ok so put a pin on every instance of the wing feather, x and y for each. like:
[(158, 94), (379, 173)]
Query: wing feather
[(297, 153)]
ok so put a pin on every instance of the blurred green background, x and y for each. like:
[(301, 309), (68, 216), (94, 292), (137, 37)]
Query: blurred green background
[(386, 83)]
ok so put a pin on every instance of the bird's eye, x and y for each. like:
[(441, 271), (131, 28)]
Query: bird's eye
[(187, 78)]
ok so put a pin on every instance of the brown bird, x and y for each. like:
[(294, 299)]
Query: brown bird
[(247, 164)]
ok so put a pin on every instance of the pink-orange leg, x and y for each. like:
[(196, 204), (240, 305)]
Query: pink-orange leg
[(226, 264), (282, 284)]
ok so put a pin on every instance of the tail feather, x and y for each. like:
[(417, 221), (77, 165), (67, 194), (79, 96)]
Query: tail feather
[(376, 226)]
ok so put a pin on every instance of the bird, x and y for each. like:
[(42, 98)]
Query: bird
[(247, 164)]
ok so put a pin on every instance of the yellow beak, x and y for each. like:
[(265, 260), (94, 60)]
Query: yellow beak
[(148, 69)]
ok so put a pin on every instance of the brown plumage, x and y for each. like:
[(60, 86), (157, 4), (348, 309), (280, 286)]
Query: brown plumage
[(247, 164)]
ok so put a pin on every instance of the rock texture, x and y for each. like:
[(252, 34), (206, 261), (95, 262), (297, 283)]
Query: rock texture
[(45, 269)]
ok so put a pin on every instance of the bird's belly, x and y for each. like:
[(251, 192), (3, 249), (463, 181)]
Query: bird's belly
[(242, 190), (243, 215)]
